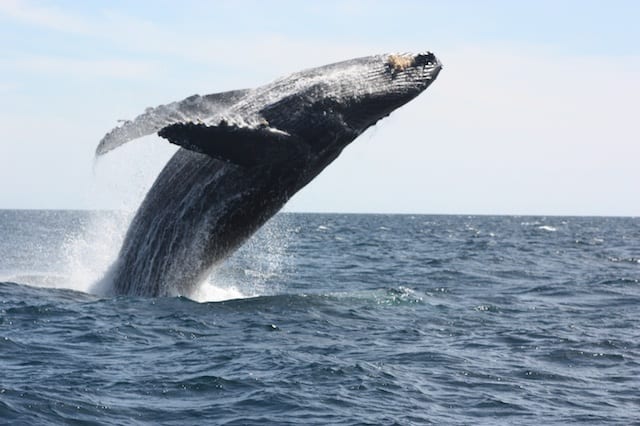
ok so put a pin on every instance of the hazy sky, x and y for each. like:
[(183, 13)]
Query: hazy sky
[(535, 112)]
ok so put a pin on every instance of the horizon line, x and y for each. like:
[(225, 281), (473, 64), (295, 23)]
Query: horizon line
[(335, 213)]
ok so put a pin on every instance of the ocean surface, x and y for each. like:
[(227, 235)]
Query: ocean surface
[(329, 320)]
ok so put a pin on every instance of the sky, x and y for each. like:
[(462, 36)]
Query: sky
[(534, 113)]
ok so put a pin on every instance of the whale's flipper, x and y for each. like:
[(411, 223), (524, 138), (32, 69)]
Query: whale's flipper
[(193, 108), (243, 146)]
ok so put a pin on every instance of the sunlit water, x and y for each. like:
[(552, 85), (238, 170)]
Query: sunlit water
[(329, 319)]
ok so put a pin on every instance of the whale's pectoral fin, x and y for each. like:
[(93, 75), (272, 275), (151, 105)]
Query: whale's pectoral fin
[(193, 108), (243, 146)]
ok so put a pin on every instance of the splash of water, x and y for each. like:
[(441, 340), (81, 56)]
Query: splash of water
[(89, 253), (126, 176), (209, 292), (253, 271)]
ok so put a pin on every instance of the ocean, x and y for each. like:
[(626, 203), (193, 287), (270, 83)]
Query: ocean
[(329, 319)]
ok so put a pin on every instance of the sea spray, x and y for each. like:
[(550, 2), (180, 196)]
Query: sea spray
[(89, 252), (256, 269), (123, 179)]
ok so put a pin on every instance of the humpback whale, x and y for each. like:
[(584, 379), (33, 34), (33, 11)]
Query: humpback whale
[(243, 154)]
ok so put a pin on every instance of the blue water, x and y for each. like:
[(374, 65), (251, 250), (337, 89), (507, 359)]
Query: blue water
[(337, 319)]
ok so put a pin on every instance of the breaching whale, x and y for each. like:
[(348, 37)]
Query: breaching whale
[(243, 154)]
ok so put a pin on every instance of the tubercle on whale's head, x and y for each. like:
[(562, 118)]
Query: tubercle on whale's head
[(331, 105), (404, 76), (418, 70), (385, 83)]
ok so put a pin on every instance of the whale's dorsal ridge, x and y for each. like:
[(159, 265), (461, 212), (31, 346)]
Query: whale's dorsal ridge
[(193, 108), (240, 145)]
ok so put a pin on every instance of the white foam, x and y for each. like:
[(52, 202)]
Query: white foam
[(209, 292), (89, 254), (254, 269)]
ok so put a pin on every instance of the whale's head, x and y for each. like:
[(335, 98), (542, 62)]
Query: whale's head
[(333, 104), (377, 85)]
